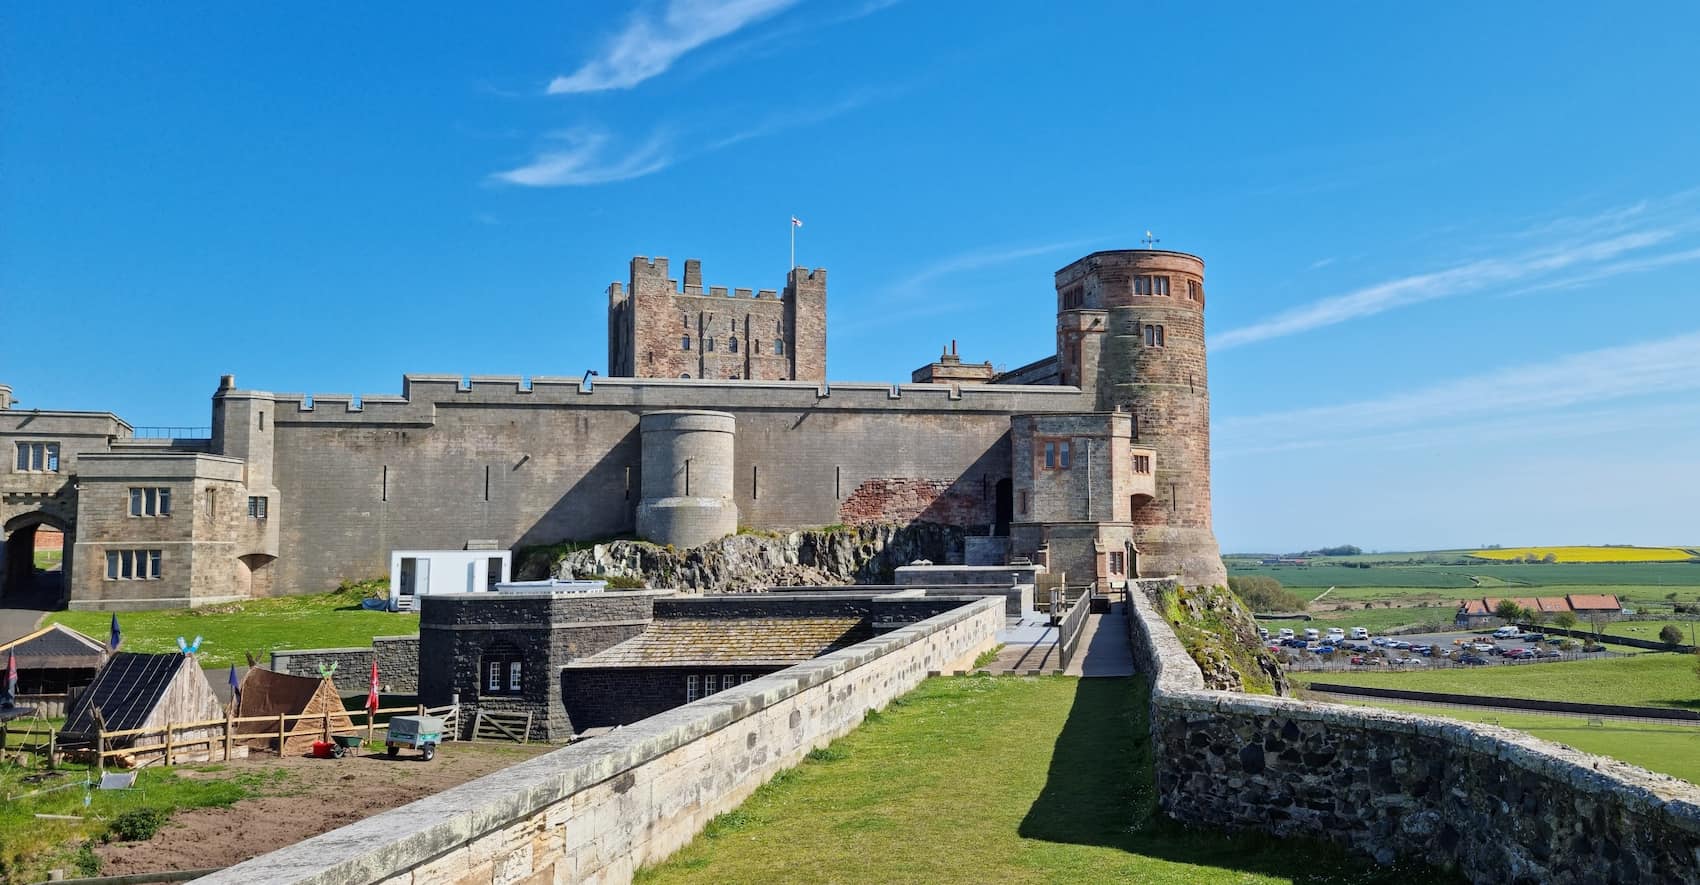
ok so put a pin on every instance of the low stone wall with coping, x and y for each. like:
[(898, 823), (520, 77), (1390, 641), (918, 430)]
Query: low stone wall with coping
[(1498, 805), (599, 809), (397, 656)]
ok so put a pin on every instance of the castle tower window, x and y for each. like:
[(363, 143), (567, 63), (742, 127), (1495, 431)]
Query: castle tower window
[(755, 346), (685, 343), (1141, 463), (150, 502), (133, 565), (1192, 291), (779, 347), (732, 344), (1154, 336), (1057, 454), (1118, 564), (708, 345), (1145, 284), (37, 457)]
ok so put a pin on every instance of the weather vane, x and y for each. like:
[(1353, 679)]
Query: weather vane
[(1150, 241)]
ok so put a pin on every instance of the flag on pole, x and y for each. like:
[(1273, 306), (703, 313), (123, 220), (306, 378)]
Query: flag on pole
[(117, 635), (235, 686), (796, 222), (11, 694), (372, 694)]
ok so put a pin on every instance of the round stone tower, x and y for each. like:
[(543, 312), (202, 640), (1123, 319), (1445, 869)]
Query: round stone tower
[(1131, 325), (687, 478)]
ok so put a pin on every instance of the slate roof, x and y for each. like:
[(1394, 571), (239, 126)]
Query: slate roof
[(54, 647), (708, 641), (126, 690)]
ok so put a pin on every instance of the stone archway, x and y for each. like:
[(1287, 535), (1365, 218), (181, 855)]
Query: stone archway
[(22, 585), (256, 572)]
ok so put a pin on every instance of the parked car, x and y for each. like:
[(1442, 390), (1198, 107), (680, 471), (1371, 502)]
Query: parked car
[(1325, 649), (1285, 633), (1483, 647), (1532, 637), (1473, 660), (1507, 632), (1548, 653), (1412, 662), (1360, 633), (1444, 652), (1359, 659), (1422, 649), (1263, 632), (1401, 645), (1518, 653), (1312, 634)]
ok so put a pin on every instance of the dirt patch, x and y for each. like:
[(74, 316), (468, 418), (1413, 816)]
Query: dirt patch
[(315, 796)]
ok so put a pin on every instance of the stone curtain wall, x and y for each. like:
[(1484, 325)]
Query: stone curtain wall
[(599, 809), (398, 664), (1494, 803)]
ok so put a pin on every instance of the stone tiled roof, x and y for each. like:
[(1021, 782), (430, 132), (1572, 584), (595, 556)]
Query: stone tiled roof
[(699, 641)]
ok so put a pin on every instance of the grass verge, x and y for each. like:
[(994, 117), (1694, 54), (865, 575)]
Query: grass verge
[(991, 779), (261, 626)]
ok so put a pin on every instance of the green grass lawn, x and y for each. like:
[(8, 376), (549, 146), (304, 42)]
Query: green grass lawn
[(46, 559), (261, 626), (1654, 680), (1669, 749), (1375, 619), (1649, 630), (30, 846), (991, 779)]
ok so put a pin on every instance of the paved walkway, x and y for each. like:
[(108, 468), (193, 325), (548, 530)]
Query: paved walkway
[(20, 612), (1104, 648)]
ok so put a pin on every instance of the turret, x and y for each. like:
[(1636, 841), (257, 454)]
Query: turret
[(1130, 330)]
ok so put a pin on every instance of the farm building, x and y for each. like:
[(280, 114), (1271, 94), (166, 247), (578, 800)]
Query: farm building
[(1585, 606), (137, 691), (54, 660), (266, 693)]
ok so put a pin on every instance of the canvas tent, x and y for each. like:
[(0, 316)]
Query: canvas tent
[(144, 691), (267, 693)]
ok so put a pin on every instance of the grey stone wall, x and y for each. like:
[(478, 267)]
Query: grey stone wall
[(1496, 804), (601, 808), (398, 664), (609, 696)]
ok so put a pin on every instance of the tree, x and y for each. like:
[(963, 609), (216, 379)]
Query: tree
[(1507, 610), (1670, 635), (1566, 620)]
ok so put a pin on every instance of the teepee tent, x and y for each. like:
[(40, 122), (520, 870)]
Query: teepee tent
[(268, 693)]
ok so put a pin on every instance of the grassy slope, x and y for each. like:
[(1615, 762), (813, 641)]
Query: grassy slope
[(29, 846), (989, 779), (1656, 680), (325, 620), (1669, 749)]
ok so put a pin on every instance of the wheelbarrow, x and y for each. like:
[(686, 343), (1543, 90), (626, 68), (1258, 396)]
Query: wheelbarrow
[(338, 746), (422, 733)]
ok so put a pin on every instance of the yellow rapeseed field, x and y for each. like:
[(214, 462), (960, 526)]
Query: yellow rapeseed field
[(1591, 554)]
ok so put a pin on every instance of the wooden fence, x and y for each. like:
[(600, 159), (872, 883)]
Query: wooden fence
[(212, 738)]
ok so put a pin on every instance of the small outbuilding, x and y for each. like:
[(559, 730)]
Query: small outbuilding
[(54, 660), (416, 573), (145, 691), (270, 694)]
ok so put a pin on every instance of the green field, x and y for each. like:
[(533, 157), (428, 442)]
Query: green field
[(1649, 630), (261, 626), (1511, 578), (1669, 749), (1376, 620), (1654, 680), (992, 779), (47, 559)]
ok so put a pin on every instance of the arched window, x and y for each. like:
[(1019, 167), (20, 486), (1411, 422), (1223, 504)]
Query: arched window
[(685, 343), (501, 670), (685, 375), (732, 344)]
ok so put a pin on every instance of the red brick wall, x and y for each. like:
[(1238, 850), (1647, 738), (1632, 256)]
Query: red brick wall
[(904, 500)]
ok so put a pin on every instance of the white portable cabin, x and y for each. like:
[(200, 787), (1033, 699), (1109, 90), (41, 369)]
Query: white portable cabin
[(416, 573)]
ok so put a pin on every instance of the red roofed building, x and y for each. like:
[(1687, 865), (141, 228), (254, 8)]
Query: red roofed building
[(1475, 612)]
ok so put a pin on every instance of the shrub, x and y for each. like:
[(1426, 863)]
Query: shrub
[(1670, 635), (1264, 594), (138, 824), (624, 582)]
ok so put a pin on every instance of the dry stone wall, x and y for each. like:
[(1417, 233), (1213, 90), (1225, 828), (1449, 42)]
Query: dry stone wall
[(597, 810), (1496, 804)]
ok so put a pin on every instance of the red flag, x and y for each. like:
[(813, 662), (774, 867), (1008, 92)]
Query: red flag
[(372, 695)]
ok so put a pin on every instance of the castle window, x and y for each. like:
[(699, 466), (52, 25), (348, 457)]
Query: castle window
[(1118, 562), (685, 319), (685, 343), (755, 346), (504, 669), (779, 347), (1146, 284), (1057, 454), (1141, 463), (257, 506), (732, 344), (38, 457), (1192, 290), (708, 345), (133, 565), (1073, 297), (150, 502), (1154, 336), (1023, 502)]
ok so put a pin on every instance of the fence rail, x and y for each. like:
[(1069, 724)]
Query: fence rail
[(171, 432)]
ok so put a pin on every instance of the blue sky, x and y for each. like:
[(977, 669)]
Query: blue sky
[(1452, 249)]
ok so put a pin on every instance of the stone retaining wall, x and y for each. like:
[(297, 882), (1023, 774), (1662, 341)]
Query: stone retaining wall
[(599, 809), (1496, 804), (398, 664)]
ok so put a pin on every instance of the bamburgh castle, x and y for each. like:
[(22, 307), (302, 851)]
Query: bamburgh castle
[(715, 414)]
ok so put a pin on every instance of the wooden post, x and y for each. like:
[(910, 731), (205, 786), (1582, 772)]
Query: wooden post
[(280, 735), (99, 741), (52, 749), (229, 729), (168, 725), (327, 726), (370, 716)]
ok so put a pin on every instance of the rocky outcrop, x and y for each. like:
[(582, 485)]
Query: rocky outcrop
[(862, 554), (1222, 637)]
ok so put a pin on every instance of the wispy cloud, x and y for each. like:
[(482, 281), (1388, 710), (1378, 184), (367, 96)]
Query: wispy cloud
[(586, 157), (982, 258), (1514, 400), (652, 41), (1588, 249)]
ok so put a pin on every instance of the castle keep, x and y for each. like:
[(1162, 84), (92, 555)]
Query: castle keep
[(715, 414)]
